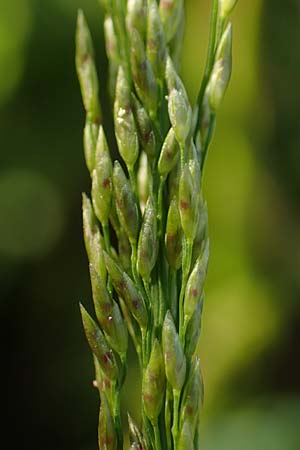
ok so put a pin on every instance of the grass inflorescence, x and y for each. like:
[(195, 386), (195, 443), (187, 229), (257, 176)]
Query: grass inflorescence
[(145, 223)]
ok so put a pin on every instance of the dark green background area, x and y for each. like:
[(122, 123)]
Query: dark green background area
[(250, 341)]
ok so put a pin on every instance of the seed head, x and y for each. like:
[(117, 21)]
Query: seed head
[(150, 210)]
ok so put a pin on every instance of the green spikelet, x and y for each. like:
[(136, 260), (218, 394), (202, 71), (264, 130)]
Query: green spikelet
[(188, 203), (92, 238), (143, 75), (108, 314), (154, 383), (125, 203), (86, 70), (99, 345), (147, 245), (173, 238), (175, 362), (171, 12), (192, 398), (126, 289), (194, 287), (180, 111), (107, 436), (102, 179), (125, 129), (156, 42), (221, 72), (169, 154)]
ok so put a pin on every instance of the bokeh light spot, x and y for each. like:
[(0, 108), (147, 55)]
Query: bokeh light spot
[(31, 219), (271, 424), (241, 320), (15, 25)]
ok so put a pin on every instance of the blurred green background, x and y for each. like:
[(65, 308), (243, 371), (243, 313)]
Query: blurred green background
[(251, 327)]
